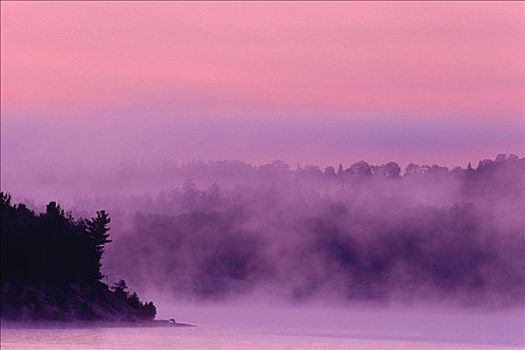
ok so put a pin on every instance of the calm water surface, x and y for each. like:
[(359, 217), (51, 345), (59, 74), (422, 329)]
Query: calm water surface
[(198, 338), (229, 327)]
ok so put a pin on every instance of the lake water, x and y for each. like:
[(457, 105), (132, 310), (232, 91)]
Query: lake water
[(199, 338), (266, 327)]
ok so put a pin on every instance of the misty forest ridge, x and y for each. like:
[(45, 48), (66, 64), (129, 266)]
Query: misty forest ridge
[(354, 234), (364, 233)]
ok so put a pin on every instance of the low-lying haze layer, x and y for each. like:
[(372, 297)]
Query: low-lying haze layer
[(357, 233), (361, 233)]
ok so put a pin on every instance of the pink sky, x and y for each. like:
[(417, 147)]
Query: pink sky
[(352, 65)]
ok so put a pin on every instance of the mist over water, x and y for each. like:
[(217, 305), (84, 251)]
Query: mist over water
[(307, 235), (426, 323), (223, 230), (355, 252)]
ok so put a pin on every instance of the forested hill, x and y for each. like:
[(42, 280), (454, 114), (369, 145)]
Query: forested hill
[(50, 268)]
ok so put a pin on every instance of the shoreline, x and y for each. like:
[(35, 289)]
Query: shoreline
[(89, 324)]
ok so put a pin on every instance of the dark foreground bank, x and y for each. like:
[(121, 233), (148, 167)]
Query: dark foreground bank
[(51, 270)]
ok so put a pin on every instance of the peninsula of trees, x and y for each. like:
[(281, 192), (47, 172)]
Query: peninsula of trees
[(50, 268)]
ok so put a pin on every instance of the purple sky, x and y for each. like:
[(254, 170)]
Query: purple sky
[(303, 82)]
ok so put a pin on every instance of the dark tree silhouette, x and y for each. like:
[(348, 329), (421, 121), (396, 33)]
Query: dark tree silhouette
[(48, 260), (97, 229), (120, 289)]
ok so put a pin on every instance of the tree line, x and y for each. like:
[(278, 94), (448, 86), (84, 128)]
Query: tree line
[(55, 249)]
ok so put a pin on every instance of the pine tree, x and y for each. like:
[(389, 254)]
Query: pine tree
[(97, 229)]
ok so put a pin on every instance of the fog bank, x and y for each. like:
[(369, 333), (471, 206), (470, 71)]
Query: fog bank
[(363, 233)]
